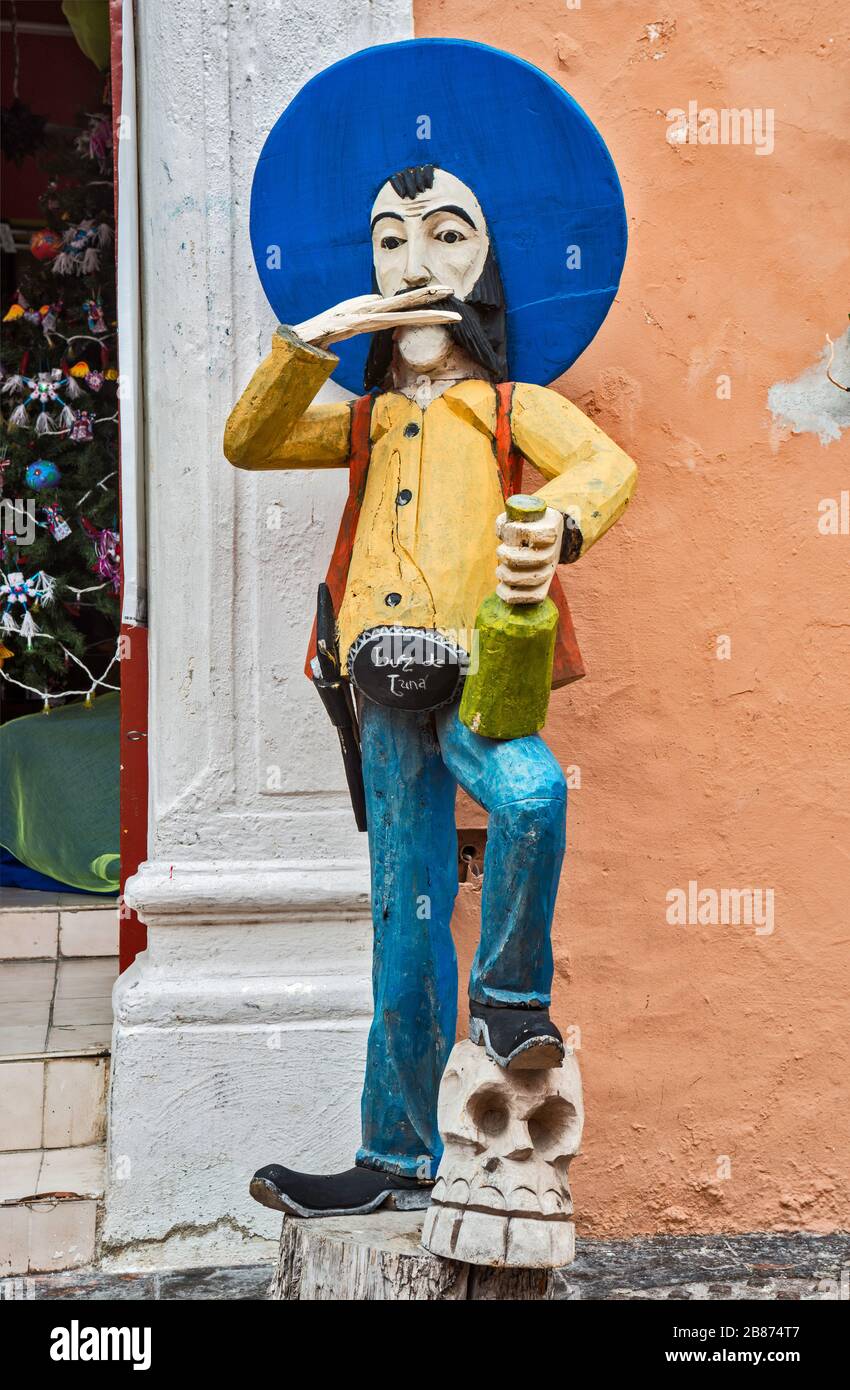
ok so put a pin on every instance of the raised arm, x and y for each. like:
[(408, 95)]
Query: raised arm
[(274, 424)]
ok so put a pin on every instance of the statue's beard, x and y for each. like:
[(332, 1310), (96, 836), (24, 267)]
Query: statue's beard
[(426, 348), (479, 333)]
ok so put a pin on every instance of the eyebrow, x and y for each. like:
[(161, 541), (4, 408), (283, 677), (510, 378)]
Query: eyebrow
[(378, 215), (448, 207), (458, 212)]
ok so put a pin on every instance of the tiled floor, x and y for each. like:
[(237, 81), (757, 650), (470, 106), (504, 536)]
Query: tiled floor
[(56, 1006), (40, 926), (74, 1172), (58, 963), (52, 1102)]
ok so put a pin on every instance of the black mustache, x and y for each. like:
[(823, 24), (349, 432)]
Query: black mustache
[(480, 332)]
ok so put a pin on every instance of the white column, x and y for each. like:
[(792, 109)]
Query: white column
[(240, 1033)]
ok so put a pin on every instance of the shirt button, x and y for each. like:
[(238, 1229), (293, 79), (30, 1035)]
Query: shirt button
[(404, 497), (392, 600), (411, 430)]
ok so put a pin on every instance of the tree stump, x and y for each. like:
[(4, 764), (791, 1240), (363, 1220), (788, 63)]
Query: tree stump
[(379, 1257)]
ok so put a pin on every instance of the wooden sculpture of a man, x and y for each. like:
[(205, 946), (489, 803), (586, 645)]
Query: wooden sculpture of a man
[(433, 449)]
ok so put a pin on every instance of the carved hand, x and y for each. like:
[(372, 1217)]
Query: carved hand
[(369, 313), (528, 554)]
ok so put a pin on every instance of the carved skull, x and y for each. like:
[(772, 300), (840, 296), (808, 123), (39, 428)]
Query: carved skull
[(502, 1195)]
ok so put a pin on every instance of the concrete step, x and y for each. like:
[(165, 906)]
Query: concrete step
[(765, 1266)]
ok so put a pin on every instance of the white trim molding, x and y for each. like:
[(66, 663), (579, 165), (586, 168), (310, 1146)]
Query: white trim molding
[(240, 1033), (130, 418), (240, 893)]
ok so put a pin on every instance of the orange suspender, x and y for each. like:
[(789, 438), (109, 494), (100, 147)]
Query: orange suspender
[(358, 467)]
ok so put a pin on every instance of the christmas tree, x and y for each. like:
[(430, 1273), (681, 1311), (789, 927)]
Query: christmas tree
[(59, 576)]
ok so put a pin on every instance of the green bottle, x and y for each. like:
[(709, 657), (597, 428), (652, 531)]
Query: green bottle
[(508, 695)]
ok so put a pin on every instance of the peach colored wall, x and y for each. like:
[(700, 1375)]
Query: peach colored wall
[(705, 1042)]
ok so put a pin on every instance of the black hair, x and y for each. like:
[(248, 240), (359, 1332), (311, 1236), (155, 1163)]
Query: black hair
[(418, 178)]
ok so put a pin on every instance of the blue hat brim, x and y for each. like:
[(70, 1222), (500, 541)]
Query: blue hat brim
[(537, 164)]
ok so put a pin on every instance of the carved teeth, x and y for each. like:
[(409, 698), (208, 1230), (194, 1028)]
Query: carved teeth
[(554, 1203), (523, 1199), (501, 1196), (489, 1197)]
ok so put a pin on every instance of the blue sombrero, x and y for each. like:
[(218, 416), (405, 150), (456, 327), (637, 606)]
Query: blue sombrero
[(537, 164)]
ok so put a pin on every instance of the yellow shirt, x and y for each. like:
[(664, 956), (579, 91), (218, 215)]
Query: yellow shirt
[(432, 552)]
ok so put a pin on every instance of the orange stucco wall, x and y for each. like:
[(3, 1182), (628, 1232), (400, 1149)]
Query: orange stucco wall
[(715, 1058)]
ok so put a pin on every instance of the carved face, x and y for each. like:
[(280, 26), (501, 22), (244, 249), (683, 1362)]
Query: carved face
[(438, 237), (502, 1195)]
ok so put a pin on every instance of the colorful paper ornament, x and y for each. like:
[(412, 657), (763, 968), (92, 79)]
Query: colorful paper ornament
[(107, 562), (42, 474), (44, 389), (111, 374), (24, 592), (93, 309), (46, 315), (56, 523), (94, 381), (5, 655), (81, 247), (80, 369), (81, 429), (45, 244)]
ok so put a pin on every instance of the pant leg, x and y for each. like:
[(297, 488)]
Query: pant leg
[(410, 798), (522, 787)]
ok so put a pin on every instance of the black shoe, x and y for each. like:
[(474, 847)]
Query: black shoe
[(521, 1039), (353, 1193)]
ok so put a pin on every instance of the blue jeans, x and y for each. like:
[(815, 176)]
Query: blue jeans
[(412, 765)]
